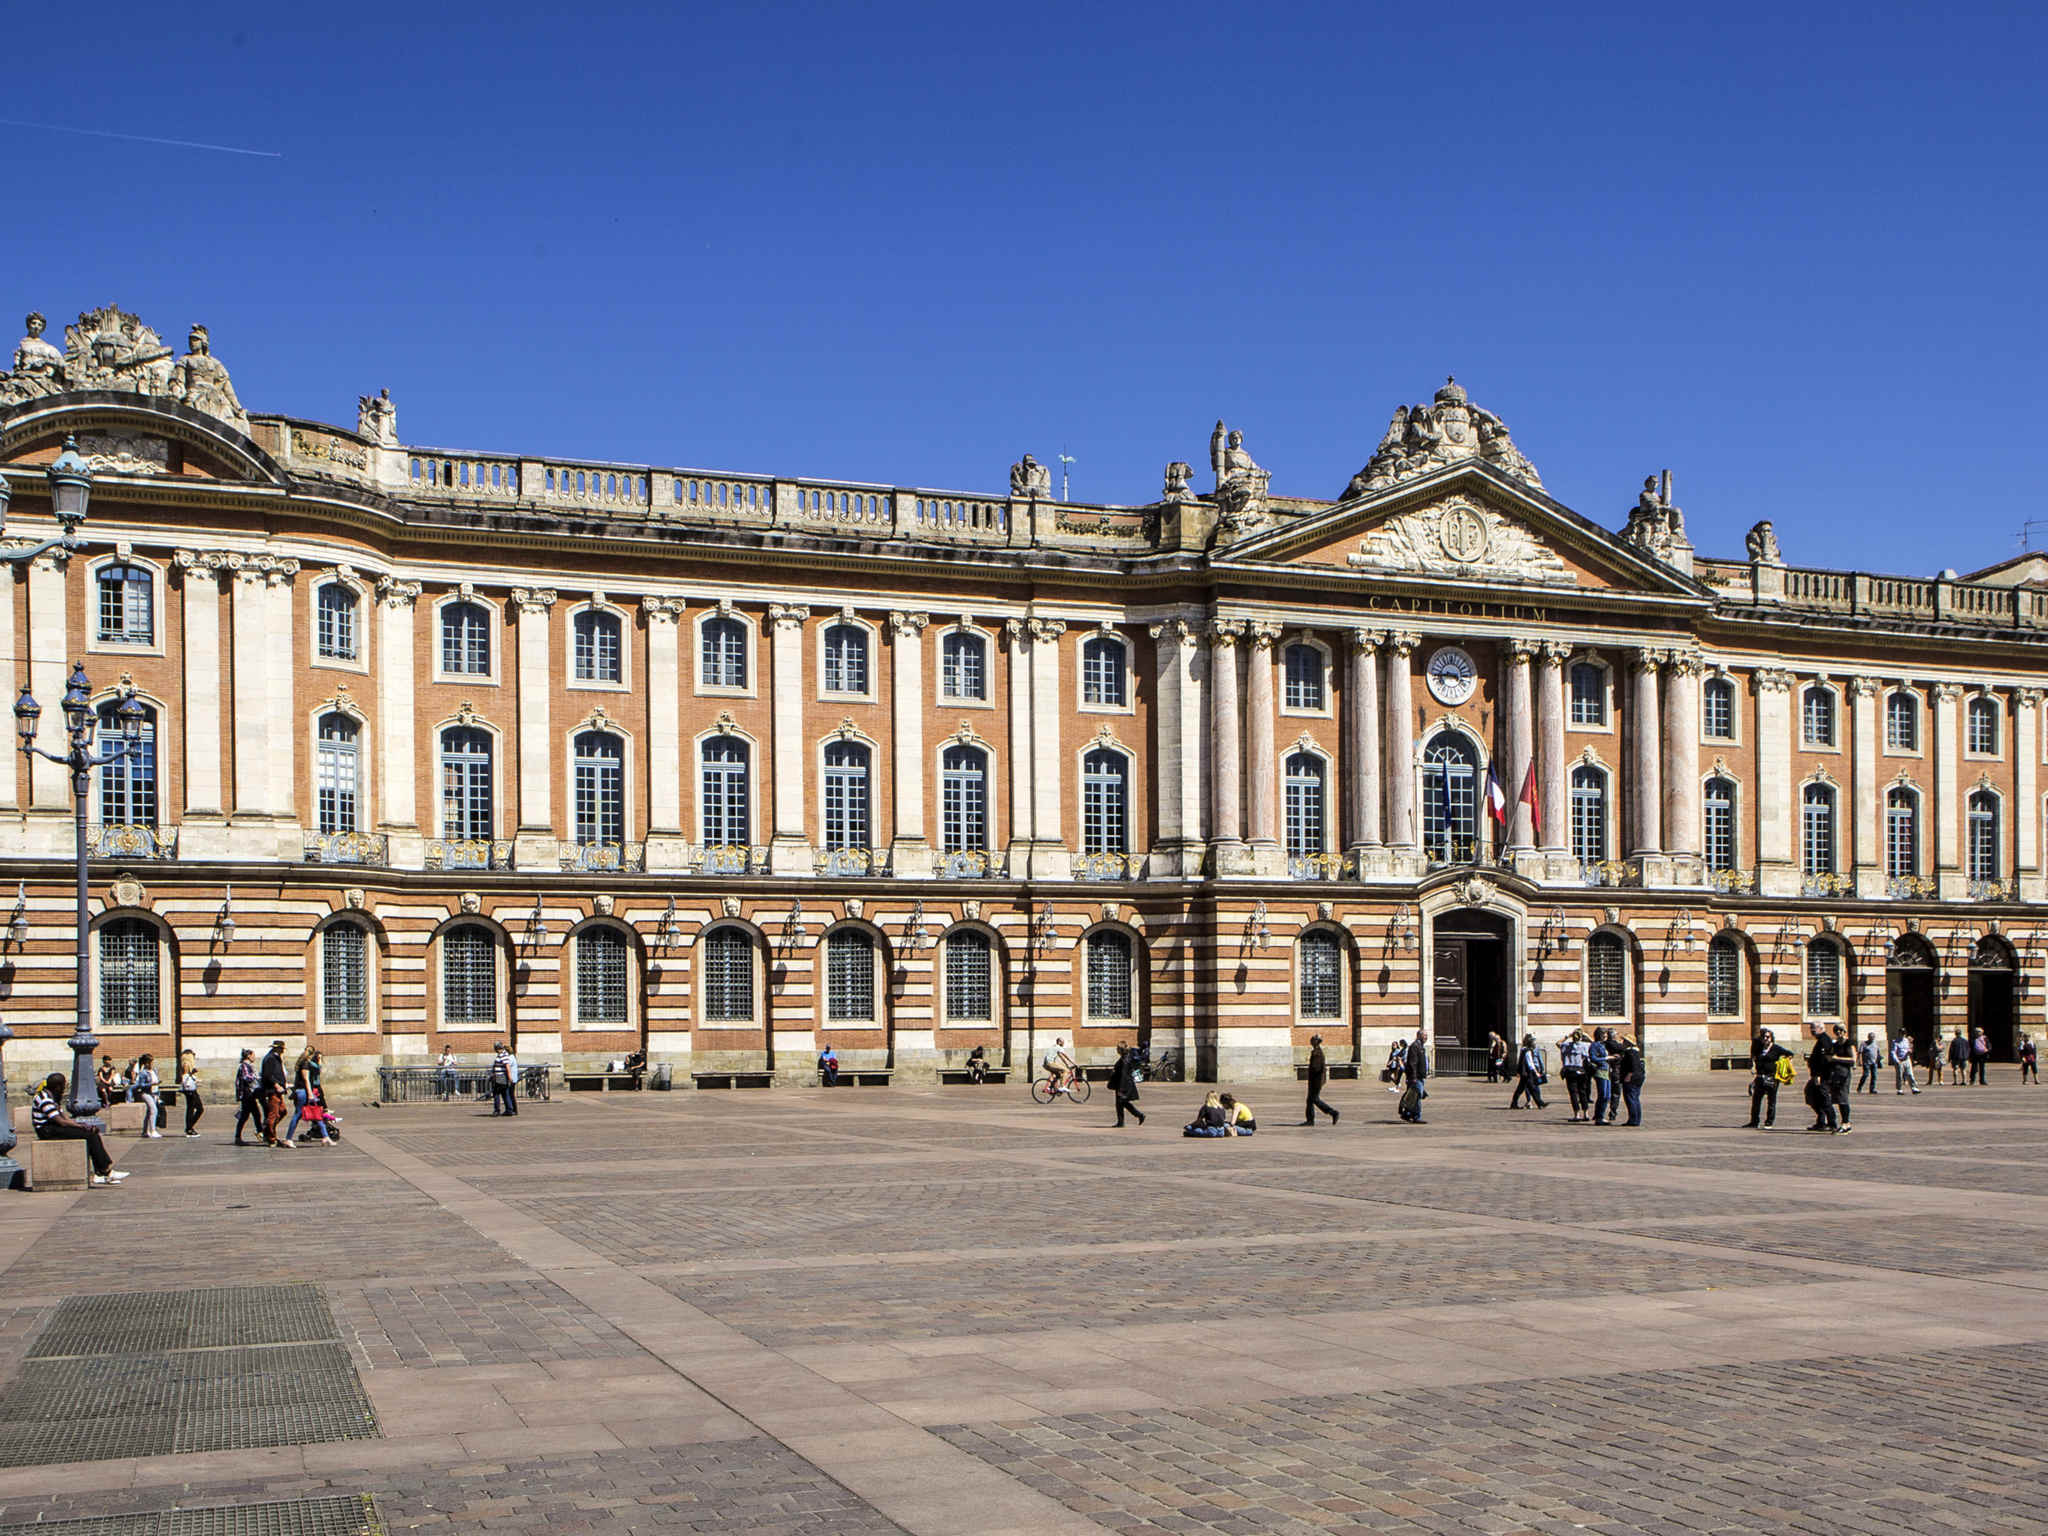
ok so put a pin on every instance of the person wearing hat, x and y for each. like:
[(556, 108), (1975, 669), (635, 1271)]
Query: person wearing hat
[(273, 1083), (1318, 1077)]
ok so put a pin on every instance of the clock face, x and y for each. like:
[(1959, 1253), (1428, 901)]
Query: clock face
[(1452, 676)]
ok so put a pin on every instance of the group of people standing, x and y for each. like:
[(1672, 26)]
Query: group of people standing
[(1603, 1074), (142, 1084), (265, 1090)]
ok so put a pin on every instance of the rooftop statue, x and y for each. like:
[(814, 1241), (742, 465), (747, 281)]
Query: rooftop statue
[(1425, 437), (1240, 484), (1029, 478), (1762, 544), (110, 349), (1655, 523), (377, 419), (201, 381), (38, 366)]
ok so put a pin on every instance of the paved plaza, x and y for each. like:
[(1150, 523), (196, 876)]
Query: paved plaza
[(957, 1313)]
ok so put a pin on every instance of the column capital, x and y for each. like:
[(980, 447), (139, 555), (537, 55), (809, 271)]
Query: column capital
[(1366, 642), (1168, 632), (1684, 663), (1771, 680), (787, 616), (211, 561), (662, 610), (1523, 647), (1948, 693), (1225, 633), (263, 570), (2027, 698), (1864, 687), (908, 624), (1650, 657), (533, 600), (1402, 642), (1555, 651), (1262, 634), (393, 593), (1046, 631)]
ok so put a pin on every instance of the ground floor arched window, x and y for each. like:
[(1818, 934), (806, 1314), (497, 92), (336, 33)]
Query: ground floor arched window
[(130, 984), (1108, 976)]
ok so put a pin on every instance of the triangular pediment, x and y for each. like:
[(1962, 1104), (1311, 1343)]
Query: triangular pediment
[(1466, 524)]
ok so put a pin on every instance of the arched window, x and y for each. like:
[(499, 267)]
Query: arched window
[(1901, 833), (1983, 840), (344, 977), (338, 774), (1823, 979), (466, 640), (335, 623), (1450, 799), (603, 966), (722, 645), (1588, 683), (1305, 811), (1717, 709), (963, 666), (1304, 666), (128, 784), (127, 606), (1109, 975), (729, 976), (846, 659), (1902, 721), (970, 967), (466, 785), (1105, 792), (1724, 978), (1606, 977), (847, 820), (1589, 814), (1102, 670), (1817, 830), (963, 800), (600, 790), (1717, 822), (849, 977), (1981, 726), (129, 996), (597, 647), (1817, 715), (469, 977), (725, 814), (1321, 960)]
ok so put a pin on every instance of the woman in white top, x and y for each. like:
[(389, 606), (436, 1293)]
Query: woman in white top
[(146, 1082)]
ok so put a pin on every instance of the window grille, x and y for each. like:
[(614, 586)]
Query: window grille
[(1322, 976), (597, 648), (963, 800), (1109, 976), (1589, 815), (722, 644), (128, 784), (1304, 676), (728, 976), (726, 822), (1983, 820), (466, 640), (466, 785), (469, 976), (1817, 712), (1817, 830), (1901, 834), (339, 773), (336, 622), (1606, 977), (1823, 979), (1717, 813), (1102, 670), (1902, 722), (1450, 800), (1104, 802), (344, 977), (1304, 805), (846, 659), (128, 975), (970, 993), (1589, 694), (846, 795), (1982, 721), (127, 605), (601, 971), (1724, 978), (600, 790), (1717, 710), (963, 667), (849, 977)]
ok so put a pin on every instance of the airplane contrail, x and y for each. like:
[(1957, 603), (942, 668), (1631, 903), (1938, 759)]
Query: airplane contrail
[(143, 138)]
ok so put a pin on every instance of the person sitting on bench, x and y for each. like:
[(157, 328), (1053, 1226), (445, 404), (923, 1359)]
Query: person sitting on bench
[(828, 1066), (977, 1065), (52, 1124)]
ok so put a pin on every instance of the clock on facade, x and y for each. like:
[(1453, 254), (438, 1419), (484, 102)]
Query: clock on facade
[(1452, 676)]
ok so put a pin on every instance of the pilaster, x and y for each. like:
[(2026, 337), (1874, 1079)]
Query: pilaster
[(49, 629), (535, 843), (1646, 761), (1049, 857), (1364, 776), (666, 845), (1948, 752), (789, 849), (1226, 747), (1866, 831), (200, 572), (910, 853), (1553, 805), (1521, 714), (1178, 780), (398, 815), (1777, 874), (1402, 831), (1682, 832), (1262, 819), (2026, 814)]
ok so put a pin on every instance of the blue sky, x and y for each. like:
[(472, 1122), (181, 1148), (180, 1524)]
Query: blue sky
[(1793, 253)]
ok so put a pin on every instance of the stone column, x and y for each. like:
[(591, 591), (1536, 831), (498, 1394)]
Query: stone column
[(789, 848), (1049, 859), (1644, 765), (1948, 806), (1401, 807), (10, 676), (49, 636), (1178, 778), (1776, 797), (1226, 744), (1365, 739), (1865, 816), (1682, 755), (1262, 819), (536, 842), (910, 853), (2026, 813), (200, 570), (398, 816), (1017, 640), (1521, 744), (665, 840), (1554, 836), (249, 640), (280, 692)]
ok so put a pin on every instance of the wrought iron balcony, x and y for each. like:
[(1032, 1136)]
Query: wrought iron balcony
[(1909, 888), (468, 853), (1610, 872), (1317, 866), (127, 840), (970, 864), (1733, 882), (728, 859), (1108, 866), (1990, 890), (347, 848), (1825, 885), (605, 858), (852, 861)]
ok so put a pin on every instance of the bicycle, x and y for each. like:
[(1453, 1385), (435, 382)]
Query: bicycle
[(1078, 1089), (1163, 1068)]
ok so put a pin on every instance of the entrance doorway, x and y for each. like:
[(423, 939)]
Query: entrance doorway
[(1993, 996), (1909, 1006), (1469, 988)]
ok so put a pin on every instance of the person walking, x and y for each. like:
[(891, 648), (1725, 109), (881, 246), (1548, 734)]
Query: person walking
[(274, 1082), (1600, 1077), (1958, 1058), (1123, 1082), (248, 1102), (1868, 1060), (1841, 1069), (1529, 1075), (50, 1123), (1496, 1057), (1318, 1078), (305, 1078), (1980, 1056), (147, 1084), (1770, 1066), (1902, 1066), (1628, 1074), (1571, 1065), (188, 1085), (2029, 1069), (504, 1081), (1415, 1063)]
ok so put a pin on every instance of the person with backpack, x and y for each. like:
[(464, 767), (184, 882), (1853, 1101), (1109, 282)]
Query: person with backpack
[(1902, 1066), (1770, 1067), (1572, 1066)]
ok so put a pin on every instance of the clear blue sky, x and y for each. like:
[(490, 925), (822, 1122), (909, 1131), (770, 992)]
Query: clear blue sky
[(1793, 253)]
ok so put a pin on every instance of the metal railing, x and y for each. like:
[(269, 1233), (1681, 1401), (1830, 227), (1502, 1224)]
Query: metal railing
[(122, 840), (475, 853), (605, 858), (347, 848), (467, 1084)]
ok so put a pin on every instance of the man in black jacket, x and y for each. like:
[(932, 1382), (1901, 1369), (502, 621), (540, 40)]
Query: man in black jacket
[(1764, 1055), (1123, 1082), (274, 1083), (1417, 1064), (1628, 1071), (1841, 1069), (1318, 1077)]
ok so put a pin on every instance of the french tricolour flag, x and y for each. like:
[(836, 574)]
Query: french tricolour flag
[(1496, 797)]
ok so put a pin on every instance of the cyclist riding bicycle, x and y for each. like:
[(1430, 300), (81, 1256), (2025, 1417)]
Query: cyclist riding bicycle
[(1059, 1066)]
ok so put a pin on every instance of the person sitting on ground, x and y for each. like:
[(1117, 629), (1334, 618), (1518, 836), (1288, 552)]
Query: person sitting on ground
[(828, 1066), (1237, 1116), (1210, 1119), (977, 1065), (1059, 1066), (52, 1124)]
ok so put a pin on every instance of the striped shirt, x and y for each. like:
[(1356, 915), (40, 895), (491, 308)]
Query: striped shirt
[(43, 1111)]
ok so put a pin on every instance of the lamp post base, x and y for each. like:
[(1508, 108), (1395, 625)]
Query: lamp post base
[(83, 1101)]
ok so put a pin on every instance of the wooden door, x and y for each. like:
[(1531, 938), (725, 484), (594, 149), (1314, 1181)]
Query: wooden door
[(1450, 976)]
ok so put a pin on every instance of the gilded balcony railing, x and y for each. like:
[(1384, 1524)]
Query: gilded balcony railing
[(126, 840), (468, 853), (347, 848)]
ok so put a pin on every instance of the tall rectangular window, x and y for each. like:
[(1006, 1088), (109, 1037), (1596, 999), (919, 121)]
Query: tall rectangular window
[(1902, 722), (336, 622), (728, 976), (597, 648), (849, 977), (1102, 670), (129, 995), (1901, 834), (1104, 779), (1304, 805), (969, 989), (1589, 815), (724, 803), (1322, 976), (846, 659), (466, 785), (846, 795), (1717, 823), (339, 772), (469, 976), (344, 977), (963, 667), (1606, 977), (722, 646), (1724, 978), (128, 784), (127, 605), (1817, 716), (1589, 693), (1823, 979), (1304, 665), (1817, 831), (1109, 975), (1983, 819), (600, 790), (602, 969), (963, 800), (1717, 710)]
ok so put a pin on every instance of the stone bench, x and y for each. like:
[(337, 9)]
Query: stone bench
[(962, 1075), (1728, 1063), (861, 1077), (599, 1082), (733, 1079), (52, 1164), (1336, 1069)]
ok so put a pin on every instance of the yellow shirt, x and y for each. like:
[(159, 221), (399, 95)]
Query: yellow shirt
[(1243, 1115)]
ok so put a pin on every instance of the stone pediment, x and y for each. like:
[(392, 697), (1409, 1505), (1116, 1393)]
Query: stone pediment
[(122, 434), (1461, 535)]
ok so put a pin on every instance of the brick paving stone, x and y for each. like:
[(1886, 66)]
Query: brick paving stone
[(472, 1323), (1526, 1197), (1928, 1245)]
